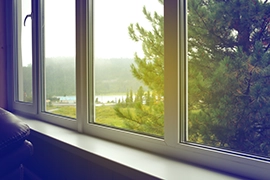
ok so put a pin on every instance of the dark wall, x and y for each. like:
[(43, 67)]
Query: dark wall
[(3, 86), (56, 160), (51, 162)]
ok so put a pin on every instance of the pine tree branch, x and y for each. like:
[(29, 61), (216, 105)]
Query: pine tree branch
[(212, 31), (248, 87), (263, 28), (266, 49)]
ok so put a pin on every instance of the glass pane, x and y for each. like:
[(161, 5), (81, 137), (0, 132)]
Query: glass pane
[(229, 75), (24, 76), (59, 60), (129, 65)]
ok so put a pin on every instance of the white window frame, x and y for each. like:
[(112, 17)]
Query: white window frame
[(15, 77), (173, 145)]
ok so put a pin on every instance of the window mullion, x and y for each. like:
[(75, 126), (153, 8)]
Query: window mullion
[(82, 62), (35, 14), (183, 79), (171, 72)]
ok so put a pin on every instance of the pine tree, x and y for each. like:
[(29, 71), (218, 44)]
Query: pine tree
[(144, 114), (228, 75), (147, 117), (229, 82), (139, 98)]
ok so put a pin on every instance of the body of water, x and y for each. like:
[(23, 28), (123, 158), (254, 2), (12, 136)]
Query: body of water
[(102, 99)]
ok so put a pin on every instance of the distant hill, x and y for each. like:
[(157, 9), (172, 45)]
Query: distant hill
[(60, 76), (112, 76)]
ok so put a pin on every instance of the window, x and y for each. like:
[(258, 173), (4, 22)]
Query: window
[(228, 82), (59, 87), (126, 76), (181, 95), (24, 41)]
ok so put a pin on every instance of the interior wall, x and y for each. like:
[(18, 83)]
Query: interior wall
[(3, 82), (52, 162)]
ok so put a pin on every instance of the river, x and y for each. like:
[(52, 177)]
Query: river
[(101, 99)]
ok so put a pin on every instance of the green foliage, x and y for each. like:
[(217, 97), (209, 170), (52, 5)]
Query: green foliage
[(228, 75), (150, 68), (229, 83), (145, 112), (106, 115)]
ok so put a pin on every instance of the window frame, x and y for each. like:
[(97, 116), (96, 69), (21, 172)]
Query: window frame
[(36, 108), (27, 107), (42, 114), (175, 22)]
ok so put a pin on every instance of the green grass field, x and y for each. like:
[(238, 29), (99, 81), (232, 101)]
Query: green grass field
[(105, 115)]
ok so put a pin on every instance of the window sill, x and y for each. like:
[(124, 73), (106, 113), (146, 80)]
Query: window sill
[(125, 160)]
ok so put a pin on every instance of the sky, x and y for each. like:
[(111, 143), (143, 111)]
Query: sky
[(111, 21), (26, 38)]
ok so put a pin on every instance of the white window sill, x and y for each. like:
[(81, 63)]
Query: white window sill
[(140, 163)]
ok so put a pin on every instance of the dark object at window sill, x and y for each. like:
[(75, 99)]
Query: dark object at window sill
[(14, 148)]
